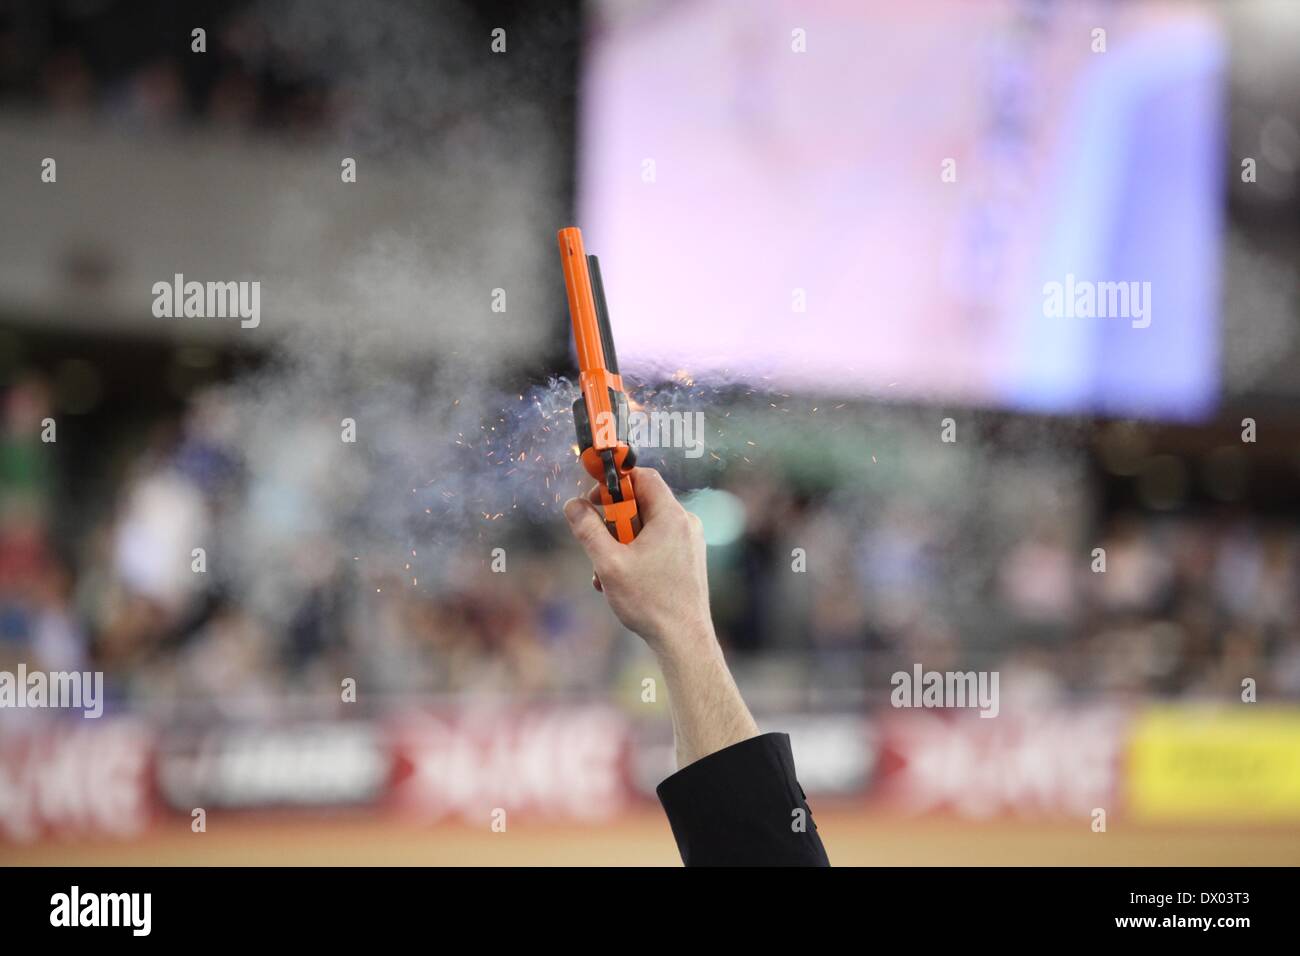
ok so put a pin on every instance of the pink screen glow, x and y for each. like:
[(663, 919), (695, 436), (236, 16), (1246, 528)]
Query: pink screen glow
[(776, 171)]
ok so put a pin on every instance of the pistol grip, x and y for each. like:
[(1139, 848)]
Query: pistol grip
[(621, 517)]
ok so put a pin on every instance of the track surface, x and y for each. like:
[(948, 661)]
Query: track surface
[(853, 837)]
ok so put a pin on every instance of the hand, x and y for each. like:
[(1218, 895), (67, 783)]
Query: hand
[(657, 585)]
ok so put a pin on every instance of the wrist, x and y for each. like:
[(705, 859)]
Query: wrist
[(685, 644)]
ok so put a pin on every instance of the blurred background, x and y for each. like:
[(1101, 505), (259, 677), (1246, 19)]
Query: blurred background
[(784, 255)]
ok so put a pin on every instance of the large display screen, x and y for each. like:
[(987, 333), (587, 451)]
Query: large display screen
[(1012, 204)]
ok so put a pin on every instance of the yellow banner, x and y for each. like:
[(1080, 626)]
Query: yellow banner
[(1223, 764)]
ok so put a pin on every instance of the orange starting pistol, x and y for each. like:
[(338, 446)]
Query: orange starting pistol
[(600, 414)]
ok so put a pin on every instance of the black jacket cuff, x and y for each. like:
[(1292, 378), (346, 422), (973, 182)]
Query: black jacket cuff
[(742, 806)]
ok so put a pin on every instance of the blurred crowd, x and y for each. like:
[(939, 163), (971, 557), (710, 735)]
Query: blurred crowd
[(220, 576), (82, 59), (303, 71), (1099, 606)]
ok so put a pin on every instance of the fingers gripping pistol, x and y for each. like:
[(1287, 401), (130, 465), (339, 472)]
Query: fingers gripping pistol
[(600, 415)]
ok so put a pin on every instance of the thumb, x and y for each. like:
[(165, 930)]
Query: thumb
[(589, 528)]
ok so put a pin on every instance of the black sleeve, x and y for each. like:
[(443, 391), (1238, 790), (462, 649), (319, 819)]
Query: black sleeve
[(737, 807)]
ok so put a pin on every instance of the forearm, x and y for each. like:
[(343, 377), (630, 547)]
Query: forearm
[(734, 798), (707, 710)]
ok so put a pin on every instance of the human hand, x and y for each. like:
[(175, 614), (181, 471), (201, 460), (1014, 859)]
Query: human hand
[(657, 585)]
